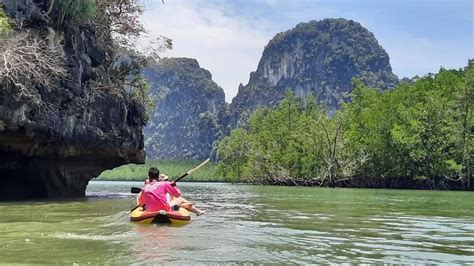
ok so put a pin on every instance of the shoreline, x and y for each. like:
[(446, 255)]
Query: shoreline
[(302, 186)]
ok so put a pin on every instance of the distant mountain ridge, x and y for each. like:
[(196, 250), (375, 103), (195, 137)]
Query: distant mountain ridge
[(318, 58)]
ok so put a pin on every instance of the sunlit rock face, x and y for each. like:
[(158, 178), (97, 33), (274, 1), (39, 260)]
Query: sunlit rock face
[(190, 112), (53, 144), (318, 58)]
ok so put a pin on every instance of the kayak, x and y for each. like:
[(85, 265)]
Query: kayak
[(139, 215)]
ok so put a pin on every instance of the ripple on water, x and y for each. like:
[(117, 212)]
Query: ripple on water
[(246, 224), (115, 237)]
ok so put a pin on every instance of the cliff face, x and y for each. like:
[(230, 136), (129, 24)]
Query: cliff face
[(318, 57), (190, 110), (53, 142)]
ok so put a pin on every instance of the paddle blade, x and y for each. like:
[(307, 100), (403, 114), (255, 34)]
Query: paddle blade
[(135, 190)]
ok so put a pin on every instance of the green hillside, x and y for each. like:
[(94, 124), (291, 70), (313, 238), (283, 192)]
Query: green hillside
[(138, 172)]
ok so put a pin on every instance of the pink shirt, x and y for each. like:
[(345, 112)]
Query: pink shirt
[(154, 195)]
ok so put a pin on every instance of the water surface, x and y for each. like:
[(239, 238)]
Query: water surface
[(245, 224)]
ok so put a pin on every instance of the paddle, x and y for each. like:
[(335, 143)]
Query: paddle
[(136, 190)]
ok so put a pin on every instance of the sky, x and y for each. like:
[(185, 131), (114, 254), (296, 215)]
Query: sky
[(227, 37)]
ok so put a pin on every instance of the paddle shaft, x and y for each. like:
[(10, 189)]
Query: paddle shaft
[(192, 170), (136, 190)]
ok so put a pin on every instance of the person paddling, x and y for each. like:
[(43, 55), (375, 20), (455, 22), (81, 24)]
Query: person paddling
[(154, 195)]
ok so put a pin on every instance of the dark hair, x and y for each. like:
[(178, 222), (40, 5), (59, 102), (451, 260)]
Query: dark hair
[(153, 173)]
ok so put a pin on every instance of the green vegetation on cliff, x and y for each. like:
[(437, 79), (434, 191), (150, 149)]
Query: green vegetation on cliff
[(190, 113), (75, 12), (5, 26), (45, 37), (174, 169), (319, 58), (416, 136), (71, 93)]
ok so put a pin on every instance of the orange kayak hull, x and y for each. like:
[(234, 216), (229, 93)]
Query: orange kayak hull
[(139, 215)]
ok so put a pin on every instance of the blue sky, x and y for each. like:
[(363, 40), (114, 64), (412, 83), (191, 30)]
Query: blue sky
[(227, 37)]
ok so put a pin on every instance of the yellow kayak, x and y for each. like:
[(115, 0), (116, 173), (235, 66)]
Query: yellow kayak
[(139, 215)]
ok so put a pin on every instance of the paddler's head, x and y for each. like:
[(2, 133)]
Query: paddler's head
[(153, 173)]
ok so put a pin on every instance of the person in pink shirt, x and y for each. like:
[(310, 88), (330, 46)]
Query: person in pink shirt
[(154, 195)]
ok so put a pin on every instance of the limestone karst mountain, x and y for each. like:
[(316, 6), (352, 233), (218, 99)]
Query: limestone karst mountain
[(318, 58), (190, 111)]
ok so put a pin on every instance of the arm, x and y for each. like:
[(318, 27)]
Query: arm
[(140, 199), (172, 190)]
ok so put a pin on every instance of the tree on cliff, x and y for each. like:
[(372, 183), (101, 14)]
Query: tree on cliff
[(35, 57), (29, 60), (190, 110), (69, 97), (5, 26), (318, 58)]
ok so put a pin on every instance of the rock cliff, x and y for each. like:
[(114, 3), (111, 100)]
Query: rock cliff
[(190, 112), (318, 57), (55, 140)]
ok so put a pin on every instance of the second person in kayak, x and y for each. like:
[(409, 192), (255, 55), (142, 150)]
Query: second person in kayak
[(154, 195)]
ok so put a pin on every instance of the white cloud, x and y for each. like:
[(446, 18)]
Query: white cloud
[(227, 46), (228, 41)]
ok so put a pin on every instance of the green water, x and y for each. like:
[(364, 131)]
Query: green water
[(245, 224)]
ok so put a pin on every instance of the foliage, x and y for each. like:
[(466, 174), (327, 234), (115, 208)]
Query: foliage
[(34, 58), (140, 93), (467, 100), (233, 154), (173, 169), (119, 27), (190, 111), (296, 143), (318, 57), (75, 12), (29, 60), (118, 22), (5, 26), (367, 129), (418, 135)]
